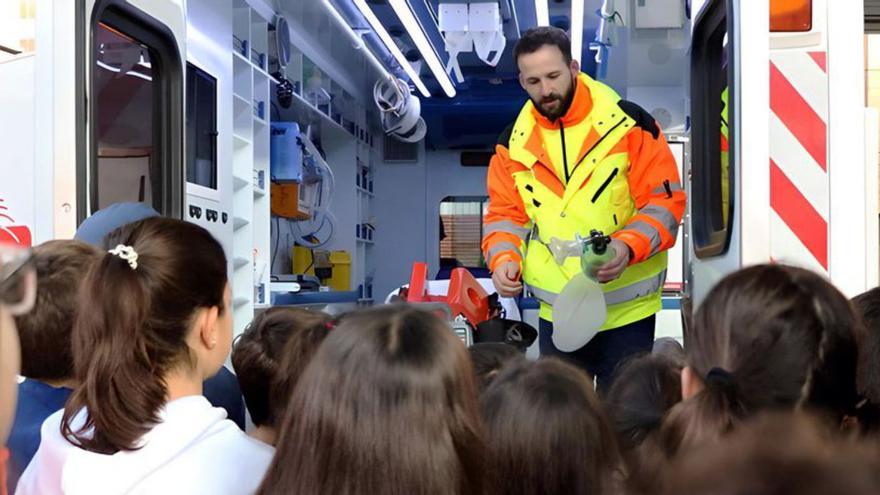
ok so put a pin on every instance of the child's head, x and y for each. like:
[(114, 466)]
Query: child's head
[(489, 358), (45, 332), (670, 349), (777, 454), (645, 389), (546, 431), (270, 355), (387, 405), (156, 305), (868, 306), (767, 337)]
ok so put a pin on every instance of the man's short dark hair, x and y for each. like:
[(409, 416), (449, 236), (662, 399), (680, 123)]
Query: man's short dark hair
[(535, 38), (45, 332)]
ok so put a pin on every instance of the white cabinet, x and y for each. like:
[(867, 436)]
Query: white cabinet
[(250, 164)]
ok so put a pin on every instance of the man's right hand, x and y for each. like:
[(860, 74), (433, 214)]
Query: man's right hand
[(506, 279)]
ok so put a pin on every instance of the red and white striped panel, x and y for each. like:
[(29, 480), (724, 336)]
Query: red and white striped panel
[(799, 178)]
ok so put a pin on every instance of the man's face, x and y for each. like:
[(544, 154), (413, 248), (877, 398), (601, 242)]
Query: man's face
[(548, 79)]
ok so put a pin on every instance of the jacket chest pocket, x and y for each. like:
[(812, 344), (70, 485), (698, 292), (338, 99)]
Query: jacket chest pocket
[(620, 195), (534, 196)]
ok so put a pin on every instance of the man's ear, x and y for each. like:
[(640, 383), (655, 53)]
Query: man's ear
[(522, 81), (575, 67)]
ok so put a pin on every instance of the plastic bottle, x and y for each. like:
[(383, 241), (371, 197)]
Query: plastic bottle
[(597, 253)]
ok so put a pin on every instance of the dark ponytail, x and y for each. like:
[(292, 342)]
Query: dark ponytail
[(133, 327), (768, 337), (706, 417)]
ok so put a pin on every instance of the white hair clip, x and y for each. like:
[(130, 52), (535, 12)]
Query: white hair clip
[(127, 253)]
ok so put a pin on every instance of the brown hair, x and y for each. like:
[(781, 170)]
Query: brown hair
[(45, 331), (135, 328), (546, 431), (868, 413), (387, 405), (767, 337), (535, 38), (489, 358), (778, 454), (646, 387), (271, 354)]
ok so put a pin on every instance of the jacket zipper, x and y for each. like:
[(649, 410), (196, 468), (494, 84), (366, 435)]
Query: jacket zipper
[(564, 153), (604, 185)]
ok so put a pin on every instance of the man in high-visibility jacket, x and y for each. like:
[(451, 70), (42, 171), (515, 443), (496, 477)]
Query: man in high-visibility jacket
[(579, 158)]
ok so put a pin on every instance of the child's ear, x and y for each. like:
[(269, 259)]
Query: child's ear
[(691, 384), (207, 326)]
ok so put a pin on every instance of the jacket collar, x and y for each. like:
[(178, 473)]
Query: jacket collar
[(580, 108), (526, 144)]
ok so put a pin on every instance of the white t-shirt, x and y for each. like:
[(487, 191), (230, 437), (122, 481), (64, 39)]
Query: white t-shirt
[(193, 450)]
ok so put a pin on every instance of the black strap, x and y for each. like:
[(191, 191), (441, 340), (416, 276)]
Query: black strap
[(641, 116)]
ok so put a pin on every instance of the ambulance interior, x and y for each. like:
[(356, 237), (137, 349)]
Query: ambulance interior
[(274, 124)]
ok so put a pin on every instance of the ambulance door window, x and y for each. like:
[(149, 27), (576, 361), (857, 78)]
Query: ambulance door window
[(126, 165), (713, 131), (135, 114), (461, 232)]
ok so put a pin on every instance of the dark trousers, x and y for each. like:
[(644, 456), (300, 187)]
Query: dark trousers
[(601, 355)]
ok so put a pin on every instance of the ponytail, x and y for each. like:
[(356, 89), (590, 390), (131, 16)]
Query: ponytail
[(111, 357), (138, 305), (771, 337), (705, 417)]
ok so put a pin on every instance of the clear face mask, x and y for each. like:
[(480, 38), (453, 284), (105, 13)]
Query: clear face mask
[(580, 311)]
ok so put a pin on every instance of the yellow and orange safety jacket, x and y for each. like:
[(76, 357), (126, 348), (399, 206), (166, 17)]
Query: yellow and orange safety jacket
[(604, 165)]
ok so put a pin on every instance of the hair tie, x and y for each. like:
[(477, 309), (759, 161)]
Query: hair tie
[(719, 376), (127, 253)]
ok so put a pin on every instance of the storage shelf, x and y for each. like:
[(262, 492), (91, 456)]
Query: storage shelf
[(240, 100), (342, 118), (239, 222), (242, 57), (240, 142), (254, 66), (238, 182), (261, 70), (301, 103), (251, 217)]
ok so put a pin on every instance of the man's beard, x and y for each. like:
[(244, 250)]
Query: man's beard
[(561, 108)]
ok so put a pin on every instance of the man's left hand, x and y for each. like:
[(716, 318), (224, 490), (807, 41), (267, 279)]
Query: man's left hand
[(613, 269)]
